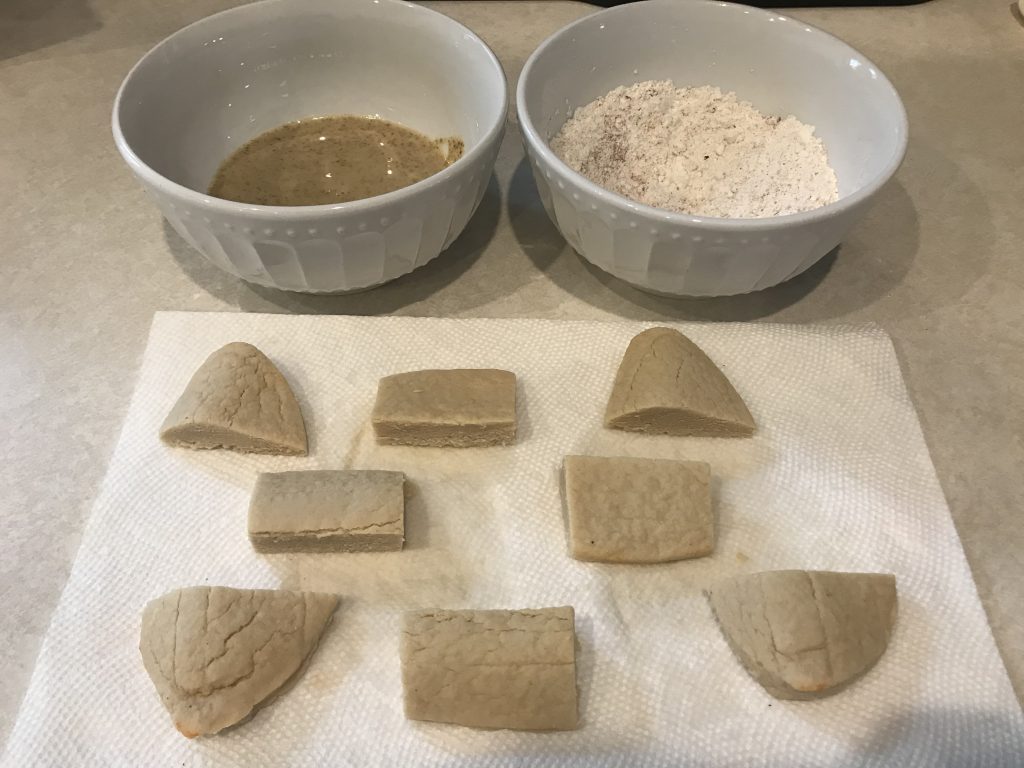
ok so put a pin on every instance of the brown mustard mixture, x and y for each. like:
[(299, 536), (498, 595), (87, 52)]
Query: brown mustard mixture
[(325, 160)]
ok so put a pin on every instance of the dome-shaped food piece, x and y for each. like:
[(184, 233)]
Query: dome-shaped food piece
[(238, 400), (666, 385)]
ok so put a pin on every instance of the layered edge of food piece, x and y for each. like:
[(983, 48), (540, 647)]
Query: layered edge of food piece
[(328, 510), (459, 408)]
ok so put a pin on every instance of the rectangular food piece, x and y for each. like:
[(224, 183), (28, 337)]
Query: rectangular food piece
[(457, 409), (491, 669), (625, 510), (330, 510)]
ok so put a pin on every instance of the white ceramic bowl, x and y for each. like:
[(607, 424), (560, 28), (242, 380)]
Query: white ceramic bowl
[(214, 85), (781, 65)]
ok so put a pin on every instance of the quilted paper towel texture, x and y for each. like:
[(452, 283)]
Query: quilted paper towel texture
[(837, 477)]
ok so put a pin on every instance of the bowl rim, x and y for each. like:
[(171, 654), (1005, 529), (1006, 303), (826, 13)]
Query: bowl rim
[(205, 200), (715, 223)]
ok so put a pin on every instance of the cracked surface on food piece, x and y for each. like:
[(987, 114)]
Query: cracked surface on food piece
[(239, 400), (328, 511), (806, 634), (491, 669), (626, 510), (666, 385), (460, 408), (216, 653)]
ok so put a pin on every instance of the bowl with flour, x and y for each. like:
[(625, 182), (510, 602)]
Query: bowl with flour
[(700, 148)]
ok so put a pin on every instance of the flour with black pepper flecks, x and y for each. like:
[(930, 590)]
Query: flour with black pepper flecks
[(698, 151)]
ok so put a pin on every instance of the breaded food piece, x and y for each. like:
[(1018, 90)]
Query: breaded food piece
[(626, 510), (666, 385), (806, 634), (237, 400), (491, 669), (216, 653), (461, 408), (330, 510)]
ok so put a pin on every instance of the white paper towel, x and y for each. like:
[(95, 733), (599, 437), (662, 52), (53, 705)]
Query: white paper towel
[(837, 477)]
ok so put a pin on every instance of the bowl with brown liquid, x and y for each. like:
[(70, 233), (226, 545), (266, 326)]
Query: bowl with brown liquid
[(315, 145)]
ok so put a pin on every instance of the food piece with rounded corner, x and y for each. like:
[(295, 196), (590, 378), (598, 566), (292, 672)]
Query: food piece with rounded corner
[(328, 510), (215, 654), (629, 510), (462, 408), (237, 400), (667, 385), (806, 634), (491, 669)]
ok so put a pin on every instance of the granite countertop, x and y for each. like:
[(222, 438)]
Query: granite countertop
[(86, 261)]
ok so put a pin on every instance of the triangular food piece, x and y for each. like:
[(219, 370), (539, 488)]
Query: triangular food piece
[(239, 400), (216, 653), (806, 634), (666, 385)]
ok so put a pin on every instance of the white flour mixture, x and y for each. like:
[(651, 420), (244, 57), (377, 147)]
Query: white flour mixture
[(698, 151)]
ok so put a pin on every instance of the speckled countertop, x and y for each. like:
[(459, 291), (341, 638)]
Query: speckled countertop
[(86, 260)]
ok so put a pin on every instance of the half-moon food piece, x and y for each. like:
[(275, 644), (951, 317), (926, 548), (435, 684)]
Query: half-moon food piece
[(216, 653), (238, 400), (666, 385), (461, 408), (491, 669), (806, 634)]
